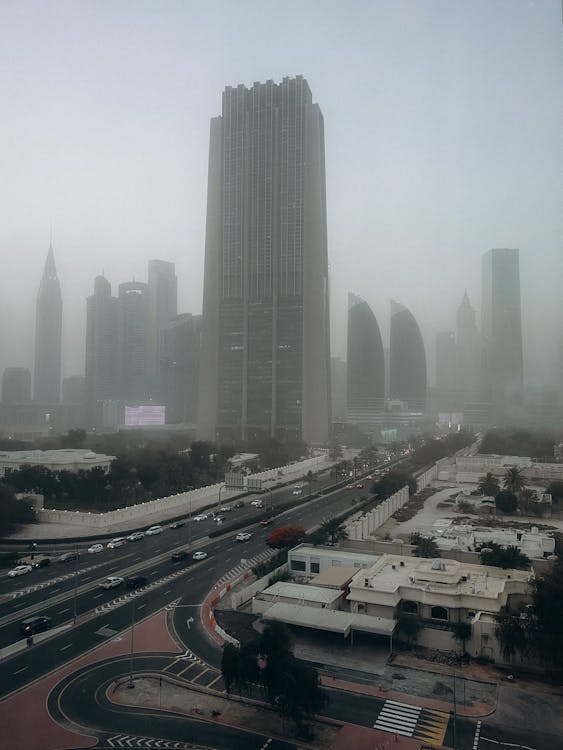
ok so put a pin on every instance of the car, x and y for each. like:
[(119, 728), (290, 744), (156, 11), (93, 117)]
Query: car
[(68, 557), (19, 570), (238, 504), (257, 503), (243, 536), (136, 536), (201, 517), (177, 524), (265, 522), (110, 582), (359, 486), (297, 491), (199, 555), (180, 554), (35, 625), (135, 582), (152, 530), (218, 519), (225, 509), (95, 548), (119, 541)]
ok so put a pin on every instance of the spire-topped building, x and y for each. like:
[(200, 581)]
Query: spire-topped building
[(48, 331)]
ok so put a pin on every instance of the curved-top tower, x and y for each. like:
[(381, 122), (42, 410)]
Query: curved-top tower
[(407, 366), (366, 363)]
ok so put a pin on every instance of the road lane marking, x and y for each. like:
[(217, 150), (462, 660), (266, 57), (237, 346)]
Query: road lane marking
[(193, 663), (64, 648), (141, 606), (97, 596), (209, 684), (21, 670), (476, 737), (62, 611), (200, 674)]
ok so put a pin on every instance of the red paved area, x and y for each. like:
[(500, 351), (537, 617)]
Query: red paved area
[(24, 719), (363, 738)]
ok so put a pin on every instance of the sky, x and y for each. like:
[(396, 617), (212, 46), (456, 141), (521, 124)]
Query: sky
[(443, 126)]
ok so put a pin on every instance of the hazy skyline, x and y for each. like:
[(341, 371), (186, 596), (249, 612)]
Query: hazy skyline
[(443, 124)]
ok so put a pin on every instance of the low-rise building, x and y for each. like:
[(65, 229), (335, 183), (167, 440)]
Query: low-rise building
[(307, 561), (68, 459)]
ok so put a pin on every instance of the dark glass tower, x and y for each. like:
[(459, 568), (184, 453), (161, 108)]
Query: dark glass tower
[(265, 339), (16, 385), (407, 367), (366, 364), (502, 362), (48, 332), (101, 349), (132, 341), (163, 307)]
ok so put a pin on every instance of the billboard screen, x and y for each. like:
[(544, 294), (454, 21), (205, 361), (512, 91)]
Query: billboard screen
[(141, 416)]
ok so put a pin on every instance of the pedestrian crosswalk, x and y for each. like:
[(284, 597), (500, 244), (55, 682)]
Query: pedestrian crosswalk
[(425, 724), (193, 669), (246, 565)]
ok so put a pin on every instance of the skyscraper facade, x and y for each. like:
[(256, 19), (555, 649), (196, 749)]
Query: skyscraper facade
[(366, 364), (179, 351), (132, 341), (446, 361), (163, 307), (265, 339), (468, 351), (101, 382), (48, 334), (502, 371), (407, 360), (16, 385)]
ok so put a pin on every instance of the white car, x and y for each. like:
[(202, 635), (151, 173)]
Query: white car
[(119, 541), (225, 509), (201, 517), (243, 536), (256, 503), (152, 530), (199, 555), (218, 519), (297, 491), (111, 582), (136, 536), (20, 570), (95, 548)]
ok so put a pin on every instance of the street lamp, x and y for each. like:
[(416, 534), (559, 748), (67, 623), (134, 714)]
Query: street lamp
[(221, 488), (130, 683), (74, 597)]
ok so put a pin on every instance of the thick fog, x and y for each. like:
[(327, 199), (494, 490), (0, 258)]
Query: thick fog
[(443, 123)]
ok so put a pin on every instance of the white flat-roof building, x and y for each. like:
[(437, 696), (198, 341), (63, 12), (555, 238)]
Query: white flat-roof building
[(308, 561), (533, 543), (67, 459)]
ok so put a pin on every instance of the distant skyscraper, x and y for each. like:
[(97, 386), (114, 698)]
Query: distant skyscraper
[(446, 361), (132, 341), (73, 390), (265, 339), (366, 364), (468, 343), (163, 307), (407, 365), (101, 382), (502, 363), (48, 332), (179, 351), (16, 385), (339, 397)]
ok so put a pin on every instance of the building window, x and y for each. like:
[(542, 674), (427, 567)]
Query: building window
[(298, 565), (410, 607), (315, 567), (439, 613)]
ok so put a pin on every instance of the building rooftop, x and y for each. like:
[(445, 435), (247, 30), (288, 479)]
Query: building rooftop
[(61, 456), (340, 556), (334, 577), (302, 592), (332, 620)]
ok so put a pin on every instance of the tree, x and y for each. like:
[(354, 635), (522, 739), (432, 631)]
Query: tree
[(286, 536), (408, 626), (509, 557), (424, 546), (13, 512), (275, 641), (513, 480), (506, 501), (333, 530), (530, 503), (545, 623), (555, 489), (394, 481), (230, 665), (488, 485), (462, 633), (511, 634)]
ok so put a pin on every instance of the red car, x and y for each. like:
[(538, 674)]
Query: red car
[(265, 522)]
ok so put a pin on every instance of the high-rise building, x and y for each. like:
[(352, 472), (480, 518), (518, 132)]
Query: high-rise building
[(407, 360), (163, 307), (132, 341), (502, 361), (73, 390), (265, 339), (179, 351), (338, 389), (16, 385), (468, 344), (366, 364), (101, 349), (48, 333), (446, 361)]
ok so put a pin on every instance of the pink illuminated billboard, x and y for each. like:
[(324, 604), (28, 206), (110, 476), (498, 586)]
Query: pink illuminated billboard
[(142, 416)]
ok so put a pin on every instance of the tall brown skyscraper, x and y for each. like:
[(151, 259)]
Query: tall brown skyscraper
[(265, 367), (48, 332)]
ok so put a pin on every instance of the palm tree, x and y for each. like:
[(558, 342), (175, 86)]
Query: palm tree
[(424, 546), (335, 530), (489, 485), (513, 480)]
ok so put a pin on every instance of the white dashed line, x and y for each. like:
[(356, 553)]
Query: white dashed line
[(20, 670), (477, 733), (64, 648), (62, 611)]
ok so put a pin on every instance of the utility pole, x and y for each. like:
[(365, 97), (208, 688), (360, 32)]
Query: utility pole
[(455, 716), (130, 683), (75, 588)]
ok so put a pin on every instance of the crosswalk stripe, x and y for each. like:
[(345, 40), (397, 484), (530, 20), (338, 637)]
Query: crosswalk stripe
[(192, 664), (209, 684)]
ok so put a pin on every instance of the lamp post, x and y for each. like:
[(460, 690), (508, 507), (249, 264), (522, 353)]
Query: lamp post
[(221, 488), (190, 522), (130, 683), (75, 592)]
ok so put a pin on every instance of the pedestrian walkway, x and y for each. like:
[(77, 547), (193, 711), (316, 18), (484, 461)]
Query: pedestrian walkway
[(413, 721)]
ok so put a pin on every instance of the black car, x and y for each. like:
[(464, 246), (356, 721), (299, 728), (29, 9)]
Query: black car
[(35, 625), (41, 562), (181, 554), (177, 524), (69, 557), (135, 582)]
